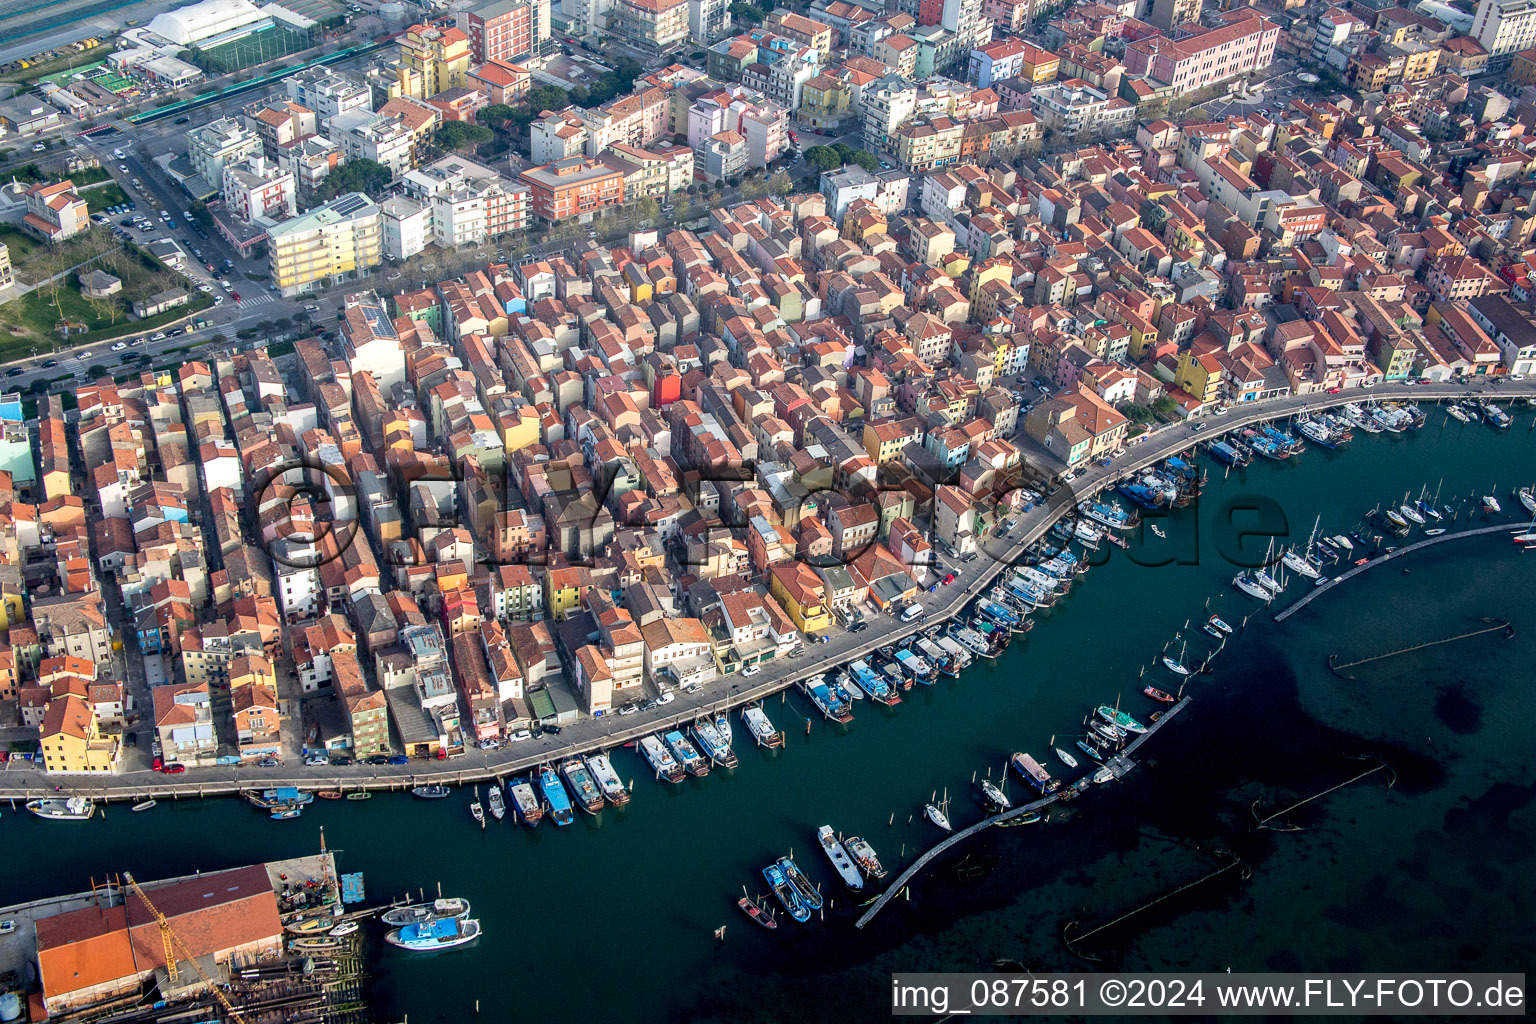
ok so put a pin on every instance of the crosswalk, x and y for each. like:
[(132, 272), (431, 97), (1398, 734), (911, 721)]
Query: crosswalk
[(259, 299)]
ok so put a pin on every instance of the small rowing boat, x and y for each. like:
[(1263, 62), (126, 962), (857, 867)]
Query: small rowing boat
[(329, 794), (1156, 694), (144, 805), (757, 912)]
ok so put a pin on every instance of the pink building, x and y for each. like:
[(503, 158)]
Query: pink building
[(1245, 43)]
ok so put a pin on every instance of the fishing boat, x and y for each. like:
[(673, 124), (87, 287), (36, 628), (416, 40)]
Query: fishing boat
[(1158, 695), (937, 816), (715, 746), (495, 802), (1065, 758), (1034, 773), (433, 792), (758, 913), (361, 794), (993, 795), (284, 813), (281, 798), (786, 894), (761, 728), (524, 801), (686, 753), (588, 797), (661, 759), (73, 808), (802, 885), (315, 944), (475, 810), (832, 707), (342, 930), (841, 862), (971, 640), (434, 936), (723, 726), (1216, 621), (315, 925), (1491, 505), (916, 667), (1242, 581), (864, 856), (868, 680), (1091, 750), (614, 790), (1119, 719), (144, 805), (556, 800), (1527, 498), (441, 909)]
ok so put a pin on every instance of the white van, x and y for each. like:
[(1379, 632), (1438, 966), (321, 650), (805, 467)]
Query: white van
[(912, 611)]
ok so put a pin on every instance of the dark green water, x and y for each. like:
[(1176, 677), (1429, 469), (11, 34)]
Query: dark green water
[(617, 913)]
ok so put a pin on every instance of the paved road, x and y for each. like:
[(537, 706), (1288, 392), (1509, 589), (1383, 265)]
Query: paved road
[(21, 779)]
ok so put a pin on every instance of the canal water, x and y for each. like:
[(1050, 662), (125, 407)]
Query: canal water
[(619, 911)]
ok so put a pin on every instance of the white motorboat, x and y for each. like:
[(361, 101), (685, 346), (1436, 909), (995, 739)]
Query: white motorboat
[(496, 803), (841, 862), (74, 808)]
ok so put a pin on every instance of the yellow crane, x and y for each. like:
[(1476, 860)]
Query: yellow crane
[(172, 940)]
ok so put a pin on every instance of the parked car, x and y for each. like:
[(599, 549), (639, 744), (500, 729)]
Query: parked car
[(316, 760), (666, 698), (377, 760), (750, 670), (398, 759), (268, 762), (174, 768), (520, 735), (340, 761)]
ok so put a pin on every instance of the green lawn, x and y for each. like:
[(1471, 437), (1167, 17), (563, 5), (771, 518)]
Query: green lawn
[(103, 196), (21, 245), (30, 321)]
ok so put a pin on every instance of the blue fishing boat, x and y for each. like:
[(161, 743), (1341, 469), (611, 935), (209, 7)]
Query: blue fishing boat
[(556, 799), (801, 884), (787, 895), (714, 743), (434, 935), (1034, 773), (867, 680), (997, 613), (1090, 750), (832, 707)]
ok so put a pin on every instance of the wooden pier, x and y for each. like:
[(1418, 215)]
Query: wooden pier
[(1400, 552), (1123, 764)]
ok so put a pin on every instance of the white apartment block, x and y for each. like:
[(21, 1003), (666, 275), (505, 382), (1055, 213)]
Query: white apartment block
[(378, 137), (328, 93), (259, 188), (217, 144)]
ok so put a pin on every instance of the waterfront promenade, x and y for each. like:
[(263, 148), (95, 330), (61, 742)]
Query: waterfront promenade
[(21, 780)]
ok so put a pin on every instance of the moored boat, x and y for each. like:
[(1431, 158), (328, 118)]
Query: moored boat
[(73, 808), (1119, 719), (443, 908), (715, 746), (144, 805), (1174, 665), (1216, 621), (757, 912), (801, 884), (524, 801), (434, 935), (937, 816), (660, 758), (556, 800), (864, 856), (1242, 581), (1089, 749), (614, 790), (1299, 563), (1527, 498), (992, 795), (495, 803), (1034, 773), (476, 811), (787, 895), (761, 728), (588, 797), (841, 862), (1066, 758), (1491, 505), (686, 753), (342, 930), (1159, 695), (433, 792)]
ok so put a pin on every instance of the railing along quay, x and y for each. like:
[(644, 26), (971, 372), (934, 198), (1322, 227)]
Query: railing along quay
[(1167, 440)]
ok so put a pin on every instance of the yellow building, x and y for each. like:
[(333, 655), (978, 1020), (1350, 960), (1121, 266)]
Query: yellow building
[(824, 102), (331, 241), (801, 594), (885, 440), (72, 742), (1199, 375), (993, 269), (439, 55), (521, 430), (563, 589)]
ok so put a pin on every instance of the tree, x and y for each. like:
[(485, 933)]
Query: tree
[(495, 116), (1165, 407), (648, 209), (780, 184), (361, 175), (460, 135), (823, 158)]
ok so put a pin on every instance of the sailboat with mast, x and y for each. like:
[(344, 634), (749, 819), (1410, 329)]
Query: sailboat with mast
[(1176, 665)]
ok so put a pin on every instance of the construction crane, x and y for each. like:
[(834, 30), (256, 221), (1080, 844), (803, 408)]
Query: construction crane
[(172, 940)]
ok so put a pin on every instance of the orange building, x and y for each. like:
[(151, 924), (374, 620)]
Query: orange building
[(574, 186)]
